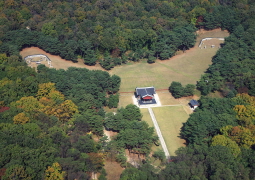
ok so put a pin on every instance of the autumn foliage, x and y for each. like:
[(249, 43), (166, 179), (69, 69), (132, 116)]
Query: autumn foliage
[(49, 101), (54, 172)]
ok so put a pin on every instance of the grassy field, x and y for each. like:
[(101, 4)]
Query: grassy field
[(186, 67), (166, 98), (146, 117), (125, 99), (170, 119)]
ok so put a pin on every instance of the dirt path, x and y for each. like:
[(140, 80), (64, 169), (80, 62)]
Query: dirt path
[(113, 170), (109, 134)]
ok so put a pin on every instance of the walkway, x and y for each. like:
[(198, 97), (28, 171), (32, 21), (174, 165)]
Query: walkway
[(161, 139)]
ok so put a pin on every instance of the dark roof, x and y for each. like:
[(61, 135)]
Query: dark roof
[(145, 91), (194, 103)]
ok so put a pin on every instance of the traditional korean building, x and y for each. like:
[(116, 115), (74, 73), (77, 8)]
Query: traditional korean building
[(145, 95)]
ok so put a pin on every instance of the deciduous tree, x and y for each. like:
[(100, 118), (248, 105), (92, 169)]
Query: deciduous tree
[(54, 172)]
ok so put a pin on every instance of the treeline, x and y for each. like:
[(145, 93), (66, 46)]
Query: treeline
[(47, 128), (15, 41), (97, 88), (232, 70)]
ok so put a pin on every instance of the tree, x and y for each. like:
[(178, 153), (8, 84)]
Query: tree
[(20, 118), (189, 90), (131, 113), (113, 101), (138, 138), (224, 141), (212, 115), (130, 174), (3, 58), (115, 83), (45, 89), (63, 111), (159, 154), (176, 89), (29, 104), (54, 172), (102, 175), (186, 37), (49, 29), (16, 172), (151, 59)]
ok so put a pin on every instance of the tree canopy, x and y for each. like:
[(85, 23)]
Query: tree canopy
[(46, 127)]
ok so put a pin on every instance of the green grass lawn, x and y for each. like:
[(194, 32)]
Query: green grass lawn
[(170, 119), (146, 117), (186, 68), (125, 99)]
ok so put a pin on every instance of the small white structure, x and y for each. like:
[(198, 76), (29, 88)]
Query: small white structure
[(205, 39), (193, 104), (29, 59)]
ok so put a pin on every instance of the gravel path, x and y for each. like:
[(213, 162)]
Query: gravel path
[(161, 139)]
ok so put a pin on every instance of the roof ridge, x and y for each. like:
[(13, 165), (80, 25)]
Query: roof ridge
[(144, 87)]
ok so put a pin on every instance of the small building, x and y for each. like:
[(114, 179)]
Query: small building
[(193, 104), (145, 95)]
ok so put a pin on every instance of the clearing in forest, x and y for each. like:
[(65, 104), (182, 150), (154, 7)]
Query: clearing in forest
[(186, 68), (56, 61)]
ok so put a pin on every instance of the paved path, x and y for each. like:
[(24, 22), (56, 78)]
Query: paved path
[(161, 139)]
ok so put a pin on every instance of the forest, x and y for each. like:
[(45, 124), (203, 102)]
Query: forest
[(107, 32), (47, 130), (52, 120)]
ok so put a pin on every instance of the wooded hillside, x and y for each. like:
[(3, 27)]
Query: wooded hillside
[(110, 32), (50, 119), (48, 123)]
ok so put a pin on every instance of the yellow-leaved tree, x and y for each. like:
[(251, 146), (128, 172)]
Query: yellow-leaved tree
[(56, 96), (29, 104), (49, 101), (54, 172), (245, 109), (20, 118), (225, 141), (63, 111), (244, 137), (245, 98), (245, 114), (45, 89), (48, 95)]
